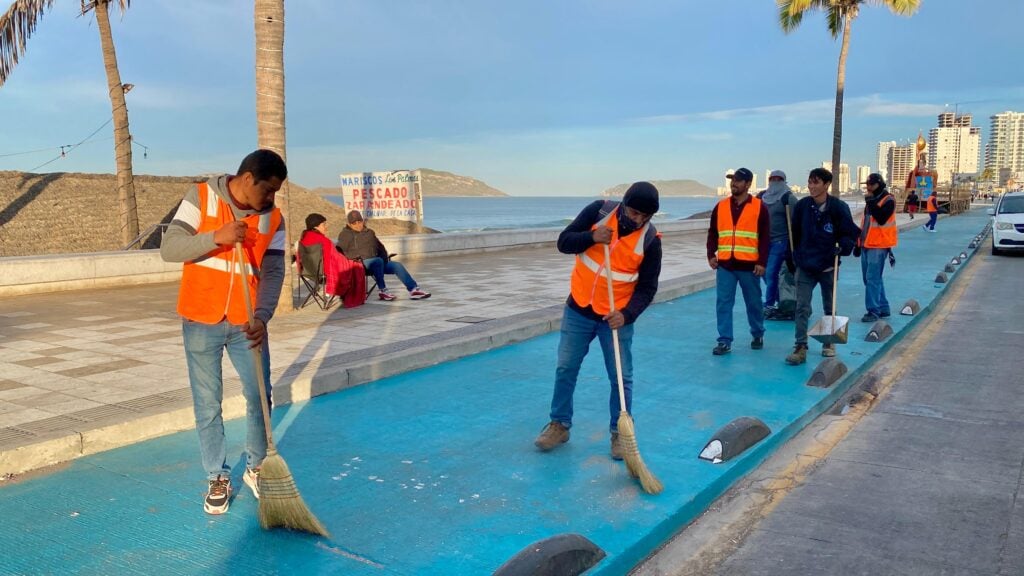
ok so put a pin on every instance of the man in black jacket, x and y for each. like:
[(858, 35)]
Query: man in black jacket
[(822, 230), (635, 249)]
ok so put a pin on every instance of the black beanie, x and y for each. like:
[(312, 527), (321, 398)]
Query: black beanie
[(314, 220), (642, 196)]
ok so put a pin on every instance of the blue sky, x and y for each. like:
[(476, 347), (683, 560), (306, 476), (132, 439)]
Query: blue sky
[(535, 97)]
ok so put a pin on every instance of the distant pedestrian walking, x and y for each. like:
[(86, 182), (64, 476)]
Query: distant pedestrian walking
[(912, 204), (778, 199), (739, 241), (877, 238), (933, 213), (211, 219), (822, 229), (635, 253)]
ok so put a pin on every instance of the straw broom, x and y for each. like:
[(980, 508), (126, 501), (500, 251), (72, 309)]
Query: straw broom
[(627, 433), (281, 505)]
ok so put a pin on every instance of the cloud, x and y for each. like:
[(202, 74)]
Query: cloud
[(806, 110)]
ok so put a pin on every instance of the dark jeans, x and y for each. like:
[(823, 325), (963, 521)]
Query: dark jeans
[(932, 218), (805, 283), (378, 268), (872, 264), (776, 256)]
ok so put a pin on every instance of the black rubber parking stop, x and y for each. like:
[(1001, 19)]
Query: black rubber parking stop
[(733, 439), (910, 308), (826, 373), (879, 331), (941, 278), (564, 554)]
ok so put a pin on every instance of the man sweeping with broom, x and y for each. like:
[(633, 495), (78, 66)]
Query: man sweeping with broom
[(211, 219), (624, 230)]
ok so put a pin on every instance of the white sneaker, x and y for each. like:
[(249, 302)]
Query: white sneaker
[(418, 293), (252, 480), (385, 294)]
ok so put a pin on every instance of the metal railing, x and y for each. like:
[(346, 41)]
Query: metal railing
[(146, 233)]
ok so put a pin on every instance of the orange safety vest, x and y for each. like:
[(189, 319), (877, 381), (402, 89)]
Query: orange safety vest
[(931, 204), (878, 235), (589, 277), (211, 285), (738, 240)]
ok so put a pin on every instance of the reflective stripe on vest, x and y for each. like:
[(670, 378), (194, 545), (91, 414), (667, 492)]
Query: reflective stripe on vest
[(211, 285), (589, 277), (879, 235), (738, 240)]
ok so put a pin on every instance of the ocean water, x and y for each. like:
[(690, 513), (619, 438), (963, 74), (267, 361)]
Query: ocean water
[(510, 212)]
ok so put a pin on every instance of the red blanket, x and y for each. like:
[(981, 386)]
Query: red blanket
[(343, 277)]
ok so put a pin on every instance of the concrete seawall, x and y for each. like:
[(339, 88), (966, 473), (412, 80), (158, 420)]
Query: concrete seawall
[(60, 272)]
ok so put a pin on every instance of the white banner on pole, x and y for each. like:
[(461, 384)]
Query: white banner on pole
[(394, 194)]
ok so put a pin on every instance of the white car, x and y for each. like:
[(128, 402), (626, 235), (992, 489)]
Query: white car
[(1008, 223)]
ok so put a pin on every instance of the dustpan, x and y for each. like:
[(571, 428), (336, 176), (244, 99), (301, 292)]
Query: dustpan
[(831, 329)]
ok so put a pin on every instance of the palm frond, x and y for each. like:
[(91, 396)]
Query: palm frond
[(903, 7), (16, 26), (791, 12), (835, 20), (122, 5)]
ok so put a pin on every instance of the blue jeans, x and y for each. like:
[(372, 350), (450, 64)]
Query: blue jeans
[(726, 281), (379, 268), (776, 256), (932, 218), (872, 264), (204, 351), (578, 331)]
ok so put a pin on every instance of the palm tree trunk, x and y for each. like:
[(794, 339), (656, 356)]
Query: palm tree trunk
[(270, 121), (127, 208), (837, 131)]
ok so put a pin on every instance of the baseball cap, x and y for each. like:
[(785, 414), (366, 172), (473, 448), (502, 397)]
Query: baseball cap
[(742, 174), (875, 178), (777, 174)]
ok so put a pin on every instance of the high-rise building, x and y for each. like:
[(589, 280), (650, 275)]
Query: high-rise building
[(882, 164), (862, 176), (1005, 151), (899, 163), (954, 147), (843, 176)]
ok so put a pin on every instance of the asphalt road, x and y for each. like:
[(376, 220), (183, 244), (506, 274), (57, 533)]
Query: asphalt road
[(924, 479)]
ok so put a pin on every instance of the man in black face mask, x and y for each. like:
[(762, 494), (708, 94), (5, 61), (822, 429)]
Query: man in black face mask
[(635, 248)]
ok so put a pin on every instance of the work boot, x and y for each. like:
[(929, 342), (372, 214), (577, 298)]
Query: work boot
[(616, 447), (551, 436), (798, 356), (828, 350)]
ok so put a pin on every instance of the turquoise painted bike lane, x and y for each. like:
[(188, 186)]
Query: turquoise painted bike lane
[(434, 471)]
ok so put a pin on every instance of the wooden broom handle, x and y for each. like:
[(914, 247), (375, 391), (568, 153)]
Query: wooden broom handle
[(615, 331), (257, 352), (835, 282), (789, 228)]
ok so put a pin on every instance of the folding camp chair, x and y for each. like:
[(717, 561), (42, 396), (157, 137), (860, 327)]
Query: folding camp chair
[(311, 258)]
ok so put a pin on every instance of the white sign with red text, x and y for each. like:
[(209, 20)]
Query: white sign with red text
[(394, 194)]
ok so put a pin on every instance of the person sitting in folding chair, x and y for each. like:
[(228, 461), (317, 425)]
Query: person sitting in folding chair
[(360, 243), (325, 268)]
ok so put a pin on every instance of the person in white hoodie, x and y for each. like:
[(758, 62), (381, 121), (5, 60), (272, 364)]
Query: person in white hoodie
[(777, 198)]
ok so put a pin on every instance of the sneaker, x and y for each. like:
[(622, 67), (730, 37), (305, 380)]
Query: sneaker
[(218, 497), (722, 349), (252, 480), (616, 447), (757, 343), (828, 350), (869, 317), (884, 315), (418, 294), (551, 436), (769, 312), (798, 356), (385, 294)]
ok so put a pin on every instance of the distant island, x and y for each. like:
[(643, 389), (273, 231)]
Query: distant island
[(437, 184), (668, 188)]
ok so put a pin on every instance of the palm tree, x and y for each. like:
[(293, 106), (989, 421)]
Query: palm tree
[(270, 122), (840, 14), (18, 23)]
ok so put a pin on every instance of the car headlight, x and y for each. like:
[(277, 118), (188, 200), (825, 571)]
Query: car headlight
[(1004, 226)]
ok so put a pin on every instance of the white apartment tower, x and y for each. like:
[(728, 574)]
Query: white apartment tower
[(954, 147), (1005, 150), (882, 164), (862, 175), (899, 162), (843, 176)]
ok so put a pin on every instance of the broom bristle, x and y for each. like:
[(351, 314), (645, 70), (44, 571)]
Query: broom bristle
[(280, 502), (631, 454)]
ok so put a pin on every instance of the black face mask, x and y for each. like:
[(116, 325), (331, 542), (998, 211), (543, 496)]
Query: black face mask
[(626, 226)]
